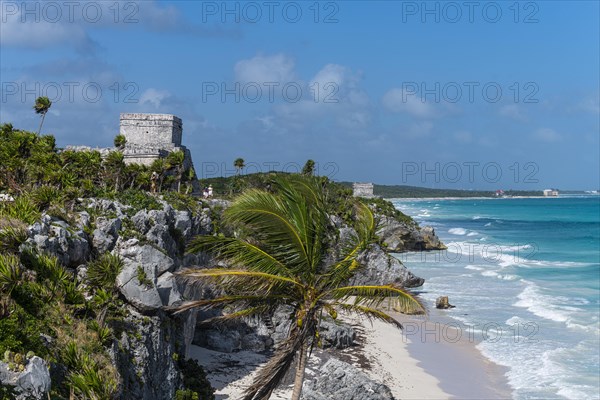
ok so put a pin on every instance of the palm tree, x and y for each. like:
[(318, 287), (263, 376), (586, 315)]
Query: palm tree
[(114, 166), (239, 165), (309, 167), (119, 141), (42, 105), (282, 255), (175, 160)]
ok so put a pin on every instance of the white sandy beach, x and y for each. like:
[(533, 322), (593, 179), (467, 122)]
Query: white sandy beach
[(382, 353)]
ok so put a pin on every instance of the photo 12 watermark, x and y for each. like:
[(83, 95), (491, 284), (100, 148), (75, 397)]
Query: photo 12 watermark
[(453, 332), (252, 12), (254, 92), (470, 91), (487, 252), (90, 12), (468, 172), (70, 92), (453, 12)]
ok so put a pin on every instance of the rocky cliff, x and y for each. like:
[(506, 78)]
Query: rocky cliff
[(149, 343)]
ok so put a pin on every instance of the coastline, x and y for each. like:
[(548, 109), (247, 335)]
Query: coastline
[(450, 354), (413, 369), (467, 198)]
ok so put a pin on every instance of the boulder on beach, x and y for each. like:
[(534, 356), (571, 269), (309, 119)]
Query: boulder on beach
[(442, 303)]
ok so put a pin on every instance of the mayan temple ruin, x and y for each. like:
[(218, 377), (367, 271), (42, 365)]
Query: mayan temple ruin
[(151, 136)]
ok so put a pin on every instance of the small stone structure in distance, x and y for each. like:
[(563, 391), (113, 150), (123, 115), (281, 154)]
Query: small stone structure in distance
[(364, 189)]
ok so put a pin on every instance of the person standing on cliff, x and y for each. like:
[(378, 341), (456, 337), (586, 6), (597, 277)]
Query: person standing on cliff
[(153, 181)]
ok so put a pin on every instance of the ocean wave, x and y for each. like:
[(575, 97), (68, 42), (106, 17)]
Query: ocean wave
[(537, 371), (553, 264), (457, 231), (553, 308)]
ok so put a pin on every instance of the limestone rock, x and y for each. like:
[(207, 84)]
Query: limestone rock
[(442, 303), (336, 334), (145, 356), (338, 380), (150, 263), (399, 236), (33, 383), (55, 237), (106, 233), (381, 268)]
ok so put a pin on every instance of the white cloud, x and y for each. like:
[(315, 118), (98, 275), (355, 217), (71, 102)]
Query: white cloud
[(42, 34), (512, 111), (398, 101), (547, 135), (260, 69), (153, 97)]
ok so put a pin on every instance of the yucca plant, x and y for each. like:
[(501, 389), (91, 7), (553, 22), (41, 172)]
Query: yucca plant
[(46, 195), (282, 255), (23, 209), (12, 234), (103, 272), (10, 272)]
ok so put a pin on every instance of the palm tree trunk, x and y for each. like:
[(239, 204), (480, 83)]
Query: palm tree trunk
[(41, 123), (299, 379)]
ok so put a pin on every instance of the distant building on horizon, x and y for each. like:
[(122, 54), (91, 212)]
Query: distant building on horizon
[(363, 189), (551, 192)]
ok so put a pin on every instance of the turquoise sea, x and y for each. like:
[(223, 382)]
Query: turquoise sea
[(524, 275)]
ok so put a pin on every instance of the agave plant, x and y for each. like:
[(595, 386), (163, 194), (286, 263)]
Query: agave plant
[(10, 272), (103, 272), (281, 255)]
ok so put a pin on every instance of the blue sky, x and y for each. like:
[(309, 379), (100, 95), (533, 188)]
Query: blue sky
[(479, 95)]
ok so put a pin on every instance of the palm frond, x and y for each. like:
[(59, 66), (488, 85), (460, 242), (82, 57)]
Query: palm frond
[(345, 268), (247, 312), (243, 282), (240, 300), (374, 295), (368, 312), (269, 218), (240, 252)]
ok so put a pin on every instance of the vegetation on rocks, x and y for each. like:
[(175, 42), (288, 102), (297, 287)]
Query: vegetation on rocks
[(283, 253), (73, 319), (70, 305)]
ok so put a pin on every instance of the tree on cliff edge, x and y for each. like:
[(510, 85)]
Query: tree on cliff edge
[(280, 255), (42, 105), (239, 165)]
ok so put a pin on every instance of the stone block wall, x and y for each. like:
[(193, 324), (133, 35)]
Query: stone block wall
[(151, 130)]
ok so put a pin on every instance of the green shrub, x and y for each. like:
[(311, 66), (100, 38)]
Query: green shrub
[(182, 202), (10, 272), (23, 209), (138, 200), (195, 380), (46, 195), (142, 277), (12, 234), (20, 332), (102, 272)]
